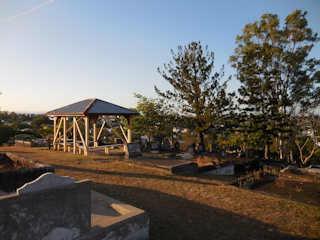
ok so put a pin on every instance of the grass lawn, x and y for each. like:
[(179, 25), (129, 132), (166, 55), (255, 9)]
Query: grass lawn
[(187, 207)]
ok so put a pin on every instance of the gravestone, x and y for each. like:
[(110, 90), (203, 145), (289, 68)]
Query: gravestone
[(154, 146), (250, 153), (133, 149), (176, 146), (191, 148), (143, 143), (200, 148), (166, 144)]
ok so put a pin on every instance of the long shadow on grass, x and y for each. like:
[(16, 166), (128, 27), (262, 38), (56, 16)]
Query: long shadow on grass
[(126, 174), (172, 217)]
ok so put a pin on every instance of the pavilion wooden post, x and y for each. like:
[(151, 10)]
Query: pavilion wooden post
[(86, 129), (75, 135), (95, 140), (129, 130), (64, 134), (55, 120)]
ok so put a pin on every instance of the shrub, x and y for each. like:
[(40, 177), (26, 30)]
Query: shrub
[(256, 176), (5, 133)]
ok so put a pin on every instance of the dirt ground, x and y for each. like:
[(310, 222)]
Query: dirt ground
[(6, 164), (188, 207)]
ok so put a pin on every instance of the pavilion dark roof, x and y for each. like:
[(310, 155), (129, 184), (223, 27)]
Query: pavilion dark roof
[(91, 107)]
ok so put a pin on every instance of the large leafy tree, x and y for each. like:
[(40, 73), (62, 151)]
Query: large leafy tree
[(196, 91), (155, 120), (276, 73)]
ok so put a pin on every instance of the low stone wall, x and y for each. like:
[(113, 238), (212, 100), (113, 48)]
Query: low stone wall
[(39, 142), (13, 179), (49, 207), (20, 143)]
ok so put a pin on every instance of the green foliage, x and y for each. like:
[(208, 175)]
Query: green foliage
[(9, 117), (17, 125), (24, 137), (187, 138), (233, 140), (45, 130), (196, 91), (156, 120), (315, 159), (240, 140), (40, 120), (5, 133), (276, 74)]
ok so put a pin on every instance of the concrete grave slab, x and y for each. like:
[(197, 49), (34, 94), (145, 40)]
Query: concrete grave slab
[(112, 219), (45, 181), (34, 214), (53, 207)]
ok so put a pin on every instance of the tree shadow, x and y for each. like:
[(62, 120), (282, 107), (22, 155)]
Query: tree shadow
[(173, 217), (125, 174)]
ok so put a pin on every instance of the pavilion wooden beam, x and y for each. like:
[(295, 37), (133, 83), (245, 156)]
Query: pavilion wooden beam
[(68, 130), (124, 134), (95, 140), (86, 129), (115, 132), (74, 135), (129, 130), (57, 130), (55, 119), (64, 134), (82, 139), (99, 134)]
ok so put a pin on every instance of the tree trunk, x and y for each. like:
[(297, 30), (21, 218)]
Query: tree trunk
[(266, 151), (280, 146), (291, 157), (200, 139)]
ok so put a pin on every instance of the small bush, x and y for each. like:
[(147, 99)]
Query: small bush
[(256, 176)]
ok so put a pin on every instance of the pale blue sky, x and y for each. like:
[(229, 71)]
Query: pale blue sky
[(54, 53)]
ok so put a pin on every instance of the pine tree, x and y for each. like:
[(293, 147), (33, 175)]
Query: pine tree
[(196, 91)]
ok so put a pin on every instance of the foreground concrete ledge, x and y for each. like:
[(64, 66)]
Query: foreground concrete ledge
[(113, 219), (44, 212), (14, 178), (18, 158)]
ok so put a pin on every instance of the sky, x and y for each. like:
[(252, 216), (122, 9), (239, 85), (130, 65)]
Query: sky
[(57, 52)]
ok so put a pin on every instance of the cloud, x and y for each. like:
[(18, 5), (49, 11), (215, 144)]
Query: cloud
[(25, 12)]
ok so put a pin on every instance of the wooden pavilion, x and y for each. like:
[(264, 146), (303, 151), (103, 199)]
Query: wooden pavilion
[(89, 111)]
